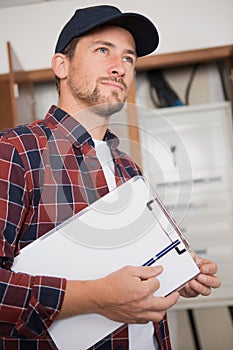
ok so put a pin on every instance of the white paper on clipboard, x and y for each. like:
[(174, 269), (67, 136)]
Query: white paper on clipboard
[(127, 226)]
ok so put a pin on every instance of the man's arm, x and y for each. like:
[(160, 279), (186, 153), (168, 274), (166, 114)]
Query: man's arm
[(125, 296), (28, 304)]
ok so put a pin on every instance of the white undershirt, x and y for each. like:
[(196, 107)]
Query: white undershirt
[(104, 156), (140, 336)]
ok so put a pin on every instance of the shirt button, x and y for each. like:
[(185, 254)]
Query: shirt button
[(92, 163)]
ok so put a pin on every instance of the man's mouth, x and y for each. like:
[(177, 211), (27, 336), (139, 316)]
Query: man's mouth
[(116, 83)]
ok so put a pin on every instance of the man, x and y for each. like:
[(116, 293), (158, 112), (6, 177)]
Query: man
[(51, 169)]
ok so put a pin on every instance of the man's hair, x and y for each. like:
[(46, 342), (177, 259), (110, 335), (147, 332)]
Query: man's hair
[(69, 52)]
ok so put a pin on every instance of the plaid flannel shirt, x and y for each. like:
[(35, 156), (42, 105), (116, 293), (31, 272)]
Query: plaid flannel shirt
[(48, 172)]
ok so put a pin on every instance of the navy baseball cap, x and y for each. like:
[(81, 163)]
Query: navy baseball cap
[(86, 19)]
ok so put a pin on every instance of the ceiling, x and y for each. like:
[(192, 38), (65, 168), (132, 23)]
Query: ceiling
[(9, 3)]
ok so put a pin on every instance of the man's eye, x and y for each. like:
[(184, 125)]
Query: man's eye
[(103, 50), (128, 59)]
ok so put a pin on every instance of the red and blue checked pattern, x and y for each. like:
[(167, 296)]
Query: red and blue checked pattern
[(118, 340), (48, 172)]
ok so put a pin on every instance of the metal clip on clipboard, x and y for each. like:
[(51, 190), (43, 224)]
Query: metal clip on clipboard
[(174, 243)]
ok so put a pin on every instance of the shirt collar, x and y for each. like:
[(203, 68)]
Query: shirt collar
[(74, 131)]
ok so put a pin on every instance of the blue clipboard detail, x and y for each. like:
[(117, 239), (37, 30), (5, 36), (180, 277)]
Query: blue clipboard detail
[(162, 253)]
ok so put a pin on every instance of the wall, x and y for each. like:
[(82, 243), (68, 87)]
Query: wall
[(183, 25)]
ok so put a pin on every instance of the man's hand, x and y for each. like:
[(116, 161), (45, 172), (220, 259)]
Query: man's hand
[(129, 297), (203, 283), (125, 295)]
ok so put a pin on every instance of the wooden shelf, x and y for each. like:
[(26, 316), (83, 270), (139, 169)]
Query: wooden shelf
[(183, 58), (42, 75)]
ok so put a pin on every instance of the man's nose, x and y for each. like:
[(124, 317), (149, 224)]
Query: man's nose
[(117, 67)]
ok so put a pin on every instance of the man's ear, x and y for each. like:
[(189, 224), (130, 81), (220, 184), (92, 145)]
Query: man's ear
[(60, 65)]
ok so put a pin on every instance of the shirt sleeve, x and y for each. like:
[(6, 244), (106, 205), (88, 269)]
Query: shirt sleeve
[(29, 304)]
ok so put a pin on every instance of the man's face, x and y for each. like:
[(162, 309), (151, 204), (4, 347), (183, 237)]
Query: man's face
[(102, 69)]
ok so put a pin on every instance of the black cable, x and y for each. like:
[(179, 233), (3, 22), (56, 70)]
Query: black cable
[(166, 96), (230, 308), (188, 88), (224, 89), (154, 97)]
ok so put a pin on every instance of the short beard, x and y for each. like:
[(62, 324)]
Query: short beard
[(97, 103), (107, 109)]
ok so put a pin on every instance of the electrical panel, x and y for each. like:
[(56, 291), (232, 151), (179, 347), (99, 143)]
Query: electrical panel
[(187, 157)]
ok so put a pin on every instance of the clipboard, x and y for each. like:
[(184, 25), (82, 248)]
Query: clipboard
[(128, 226)]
